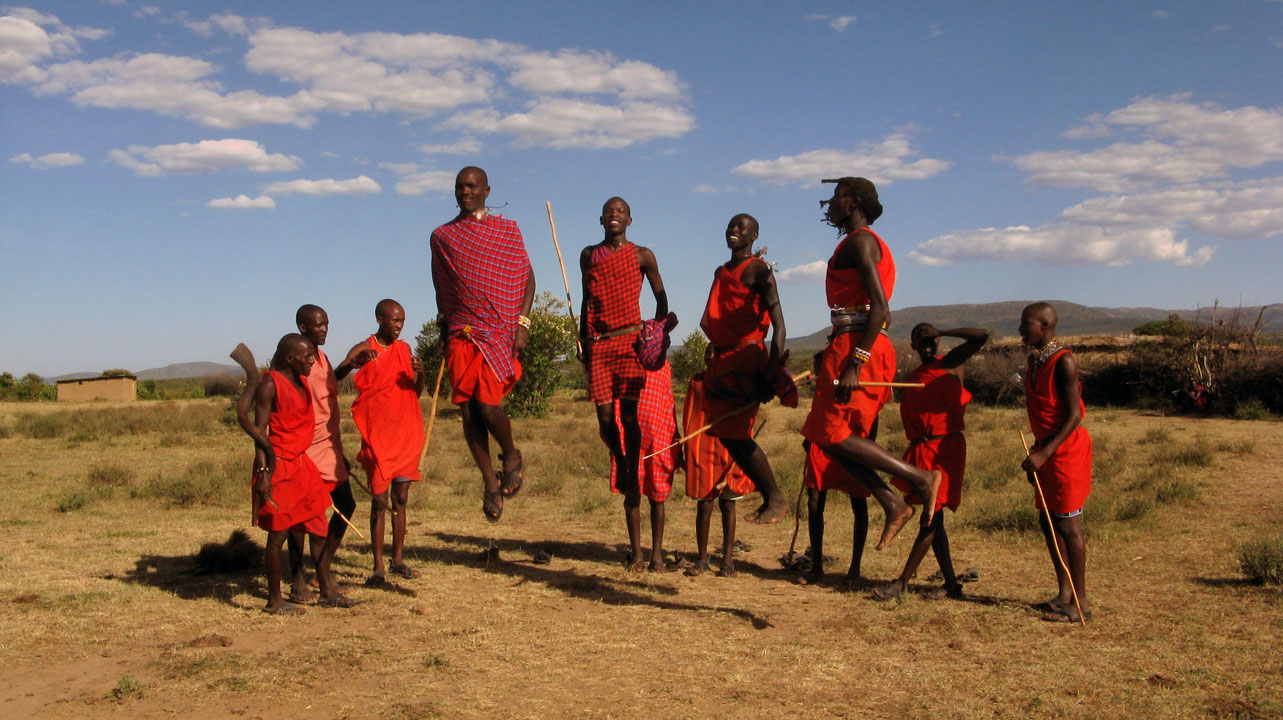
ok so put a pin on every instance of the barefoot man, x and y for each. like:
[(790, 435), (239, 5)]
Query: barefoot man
[(1061, 455), (609, 323), (742, 304), (485, 287), (858, 286), (933, 422), (326, 449), (389, 381), (294, 498)]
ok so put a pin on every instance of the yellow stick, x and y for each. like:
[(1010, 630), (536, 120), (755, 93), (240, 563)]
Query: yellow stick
[(727, 416), (1052, 529), (570, 305), (349, 522), (432, 413)]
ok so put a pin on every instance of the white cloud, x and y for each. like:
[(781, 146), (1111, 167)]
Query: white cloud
[(563, 123), (1181, 141), (242, 202), (362, 185), (465, 146), (1161, 14), (51, 160), (416, 180), (811, 272), (563, 99), (705, 188), (881, 162), (839, 23), (204, 156)]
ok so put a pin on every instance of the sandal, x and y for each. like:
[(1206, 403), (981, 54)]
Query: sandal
[(511, 480), (338, 601), (375, 580), (1068, 614), (492, 503), (889, 592), (948, 592), (404, 571)]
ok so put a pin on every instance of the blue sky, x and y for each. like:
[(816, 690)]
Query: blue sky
[(179, 177)]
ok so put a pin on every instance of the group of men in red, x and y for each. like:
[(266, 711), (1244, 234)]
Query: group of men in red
[(484, 290)]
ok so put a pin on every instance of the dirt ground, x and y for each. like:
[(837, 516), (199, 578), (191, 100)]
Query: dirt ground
[(102, 616)]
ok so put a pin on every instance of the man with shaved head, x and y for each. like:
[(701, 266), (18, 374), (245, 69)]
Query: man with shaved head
[(1060, 455), (326, 450), (389, 381), (293, 497), (484, 286)]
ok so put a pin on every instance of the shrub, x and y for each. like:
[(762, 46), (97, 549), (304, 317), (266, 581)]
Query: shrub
[(222, 386), (204, 483), (110, 476), (1262, 560), (75, 499), (1132, 509), (1177, 492), (1008, 515), (688, 360), (43, 426)]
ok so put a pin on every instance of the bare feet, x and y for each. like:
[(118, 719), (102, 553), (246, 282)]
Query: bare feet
[(894, 522), (814, 576), (699, 568), (658, 566), (302, 597), (728, 569), (929, 504), (338, 601), (286, 609), (775, 510), (634, 564)]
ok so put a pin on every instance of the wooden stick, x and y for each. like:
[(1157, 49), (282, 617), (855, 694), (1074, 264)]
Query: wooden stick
[(349, 522), (1052, 529), (432, 413), (727, 416), (570, 305), (875, 383)]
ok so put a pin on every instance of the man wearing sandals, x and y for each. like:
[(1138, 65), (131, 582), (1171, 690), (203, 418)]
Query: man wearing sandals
[(389, 381), (484, 286)]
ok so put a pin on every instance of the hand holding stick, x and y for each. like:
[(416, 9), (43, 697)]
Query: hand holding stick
[(1052, 529)]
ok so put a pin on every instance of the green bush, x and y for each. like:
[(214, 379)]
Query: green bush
[(1262, 560), (688, 360)]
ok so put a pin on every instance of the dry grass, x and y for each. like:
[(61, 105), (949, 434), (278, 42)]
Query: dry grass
[(100, 611)]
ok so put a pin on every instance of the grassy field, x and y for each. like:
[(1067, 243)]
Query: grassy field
[(101, 613)]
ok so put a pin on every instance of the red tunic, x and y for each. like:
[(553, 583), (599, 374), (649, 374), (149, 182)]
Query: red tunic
[(656, 415), (387, 414), (707, 462), (736, 322), (933, 423), (829, 422), (1066, 476), (327, 444), (297, 488), (479, 270), (612, 285), (822, 473)]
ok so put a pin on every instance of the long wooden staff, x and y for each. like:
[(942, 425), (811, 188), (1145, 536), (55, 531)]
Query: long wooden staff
[(432, 413), (797, 513), (336, 510), (570, 304), (245, 359), (727, 416), (1052, 529)]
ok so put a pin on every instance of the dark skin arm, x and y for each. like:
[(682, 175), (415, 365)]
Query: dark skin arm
[(1067, 390), (973, 340), (758, 276), (264, 462), (520, 336), (862, 252), (650, 268), (584, 258)]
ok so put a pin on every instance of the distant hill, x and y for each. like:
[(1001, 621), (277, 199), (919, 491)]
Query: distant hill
[(170, 372), (1002, 318)]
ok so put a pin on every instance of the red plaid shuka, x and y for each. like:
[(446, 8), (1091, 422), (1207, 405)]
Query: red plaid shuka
[(479, 270), (612, 288), (657, 415)]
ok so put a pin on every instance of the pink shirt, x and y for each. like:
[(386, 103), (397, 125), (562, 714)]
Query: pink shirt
[(327, 446)]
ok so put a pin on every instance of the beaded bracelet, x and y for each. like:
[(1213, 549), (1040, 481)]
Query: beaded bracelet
[(523, 321), (861, 355)]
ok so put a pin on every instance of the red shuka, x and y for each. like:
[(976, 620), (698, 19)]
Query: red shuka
[(830, 423), (1066, 476), (708, 464), (297, 488), (823, 473), (933, 423), (612, 285), (657, 416), (387, 414), (327, 444), (736, 322)]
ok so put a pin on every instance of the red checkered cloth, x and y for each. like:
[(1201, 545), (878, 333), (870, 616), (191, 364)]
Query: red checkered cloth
[(612, 288), (479, 270), (657, 415)]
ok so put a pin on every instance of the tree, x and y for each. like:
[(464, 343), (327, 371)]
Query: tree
[(688, 360), (116, 372), (550, 347)]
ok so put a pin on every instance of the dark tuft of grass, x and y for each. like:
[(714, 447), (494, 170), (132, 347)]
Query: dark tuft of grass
[(1261, 559), (1009, 515), (1177, 492), (1156, 436), (1199, 453), (1132, 508), (204, 483), (110, 476), (126, 687), (75, 499)]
